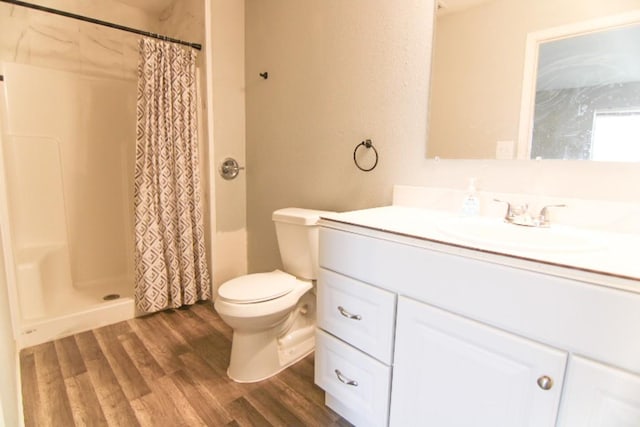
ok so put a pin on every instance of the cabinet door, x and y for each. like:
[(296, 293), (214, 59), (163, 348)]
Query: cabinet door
[(453, 371), (599, 395)]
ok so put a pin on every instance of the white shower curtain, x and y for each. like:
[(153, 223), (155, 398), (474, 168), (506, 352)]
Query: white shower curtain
[(171, 268)]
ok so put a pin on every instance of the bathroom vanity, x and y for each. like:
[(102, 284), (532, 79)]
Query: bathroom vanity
[(418, 325)]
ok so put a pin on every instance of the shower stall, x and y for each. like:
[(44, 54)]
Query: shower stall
[(66, 167), (68, 114)]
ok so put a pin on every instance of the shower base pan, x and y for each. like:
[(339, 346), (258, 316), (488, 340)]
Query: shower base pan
[(79, 319)]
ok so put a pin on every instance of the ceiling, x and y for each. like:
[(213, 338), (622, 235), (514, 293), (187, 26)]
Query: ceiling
[(152, 7), (156, 7), (451, 6)]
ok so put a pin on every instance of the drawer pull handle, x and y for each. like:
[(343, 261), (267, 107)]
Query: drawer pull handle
[(344, 379), (348, 315), (545, 382)]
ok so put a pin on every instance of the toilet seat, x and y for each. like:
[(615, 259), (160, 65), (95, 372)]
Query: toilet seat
[(257, 287)]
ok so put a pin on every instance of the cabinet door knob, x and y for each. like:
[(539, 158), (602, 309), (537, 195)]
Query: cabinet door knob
[(348, 315), (344, 379), (545, 382)]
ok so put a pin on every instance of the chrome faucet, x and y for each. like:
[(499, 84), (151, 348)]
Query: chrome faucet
[(520, 215), (543, 219)]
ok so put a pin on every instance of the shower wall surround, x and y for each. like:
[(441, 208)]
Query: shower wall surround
[(184, 20), (71, 134), (37, 38)]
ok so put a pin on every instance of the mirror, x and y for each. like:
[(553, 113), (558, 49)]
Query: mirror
[(484, 76), (586, 93)]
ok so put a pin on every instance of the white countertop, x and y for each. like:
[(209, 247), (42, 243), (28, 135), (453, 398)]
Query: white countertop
[(614, 261)]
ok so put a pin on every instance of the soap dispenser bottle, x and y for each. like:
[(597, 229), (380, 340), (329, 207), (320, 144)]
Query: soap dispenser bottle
[(471, 204)]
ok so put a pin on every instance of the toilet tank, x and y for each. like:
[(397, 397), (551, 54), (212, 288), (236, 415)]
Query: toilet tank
[(297, 233)]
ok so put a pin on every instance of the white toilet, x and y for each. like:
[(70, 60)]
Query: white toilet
[(273, 314)]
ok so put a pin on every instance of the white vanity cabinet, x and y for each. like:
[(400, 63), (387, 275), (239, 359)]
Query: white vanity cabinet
[(476, 339), (454, 371), (354, 347), (597, 395)]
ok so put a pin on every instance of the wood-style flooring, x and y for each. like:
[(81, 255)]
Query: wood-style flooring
[(165, 369)]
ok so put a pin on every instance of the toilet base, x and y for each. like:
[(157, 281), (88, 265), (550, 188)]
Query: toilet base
[(296, 346), (258, 356)]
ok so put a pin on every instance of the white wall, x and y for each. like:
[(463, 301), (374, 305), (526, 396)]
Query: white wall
[(226, 47), (340, 72), (8, 366)]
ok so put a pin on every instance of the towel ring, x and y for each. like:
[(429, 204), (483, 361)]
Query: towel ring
[(367, 144)]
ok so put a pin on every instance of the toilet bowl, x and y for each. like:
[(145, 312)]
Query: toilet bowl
[(273, 314)]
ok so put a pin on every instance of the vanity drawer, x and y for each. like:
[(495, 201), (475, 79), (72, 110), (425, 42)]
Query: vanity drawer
[(358, 313), (357, 386)]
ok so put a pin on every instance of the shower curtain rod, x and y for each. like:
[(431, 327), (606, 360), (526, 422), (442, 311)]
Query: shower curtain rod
[(103, 23)]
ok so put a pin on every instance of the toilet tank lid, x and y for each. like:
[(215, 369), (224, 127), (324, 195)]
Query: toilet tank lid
[(257, 287), (298, 215)]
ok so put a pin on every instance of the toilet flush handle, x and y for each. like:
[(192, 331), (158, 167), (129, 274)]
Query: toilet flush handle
[(348, 315)]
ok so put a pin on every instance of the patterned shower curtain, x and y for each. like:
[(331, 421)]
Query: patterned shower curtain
[(171, 268)]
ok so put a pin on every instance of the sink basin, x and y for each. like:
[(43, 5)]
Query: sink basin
[(495, 233)]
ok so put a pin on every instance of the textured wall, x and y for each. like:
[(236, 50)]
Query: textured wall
[(339, 72)]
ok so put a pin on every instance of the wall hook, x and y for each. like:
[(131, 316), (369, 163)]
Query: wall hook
[(265, 75)]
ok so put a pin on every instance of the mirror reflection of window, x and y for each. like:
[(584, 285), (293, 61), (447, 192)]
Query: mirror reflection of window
[(577, 77), (616, 136)]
